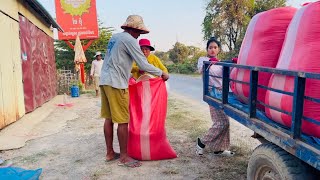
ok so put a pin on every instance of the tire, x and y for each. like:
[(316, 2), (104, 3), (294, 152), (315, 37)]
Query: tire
[(270, 162)]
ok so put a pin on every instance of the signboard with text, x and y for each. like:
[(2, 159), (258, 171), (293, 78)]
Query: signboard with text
[(77, 17)]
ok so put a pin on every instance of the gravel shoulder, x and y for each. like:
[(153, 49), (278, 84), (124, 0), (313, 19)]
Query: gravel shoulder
[(70, 145)]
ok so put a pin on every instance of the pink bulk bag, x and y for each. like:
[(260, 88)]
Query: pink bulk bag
[(148, 109), (301, 52), (261, 47)]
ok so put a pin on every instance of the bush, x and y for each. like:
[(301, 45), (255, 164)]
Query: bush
[(227, 55), (187, 68), (172, 68), (183, 68)]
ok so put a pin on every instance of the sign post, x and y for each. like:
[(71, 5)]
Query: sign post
[(78, 19)]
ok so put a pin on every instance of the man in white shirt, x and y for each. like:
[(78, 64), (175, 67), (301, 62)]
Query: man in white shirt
[(96, 70)]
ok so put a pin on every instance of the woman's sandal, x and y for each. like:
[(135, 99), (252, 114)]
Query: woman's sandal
[(199, 150), (199, 147), (224, 153)]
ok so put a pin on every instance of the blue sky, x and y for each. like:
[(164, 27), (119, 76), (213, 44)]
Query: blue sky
[(168, 20)]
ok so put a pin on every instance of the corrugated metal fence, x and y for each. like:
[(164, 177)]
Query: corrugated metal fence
[(27, 68), (38, 65), (11, 90)]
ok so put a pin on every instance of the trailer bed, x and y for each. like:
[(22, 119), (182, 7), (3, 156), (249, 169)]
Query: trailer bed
[(292, 140)]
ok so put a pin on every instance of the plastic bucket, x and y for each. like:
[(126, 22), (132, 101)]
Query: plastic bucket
[(75, 91)]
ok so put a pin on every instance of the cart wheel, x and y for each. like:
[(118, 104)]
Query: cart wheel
[(270, 162)]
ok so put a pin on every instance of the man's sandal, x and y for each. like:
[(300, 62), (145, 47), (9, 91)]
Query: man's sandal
[(131, 164)]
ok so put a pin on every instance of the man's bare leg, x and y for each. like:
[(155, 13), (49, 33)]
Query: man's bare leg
[(123, 142), (108, 135)]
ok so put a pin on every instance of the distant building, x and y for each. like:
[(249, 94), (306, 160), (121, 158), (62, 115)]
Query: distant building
[(27, 61)]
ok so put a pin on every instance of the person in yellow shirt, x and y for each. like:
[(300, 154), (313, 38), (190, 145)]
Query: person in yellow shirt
[(146, 48)]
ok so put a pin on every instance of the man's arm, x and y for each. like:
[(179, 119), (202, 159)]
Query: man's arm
[(92, 69), (135, 52)]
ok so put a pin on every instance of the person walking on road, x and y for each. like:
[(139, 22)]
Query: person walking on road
[(122, 50), (95, 71)]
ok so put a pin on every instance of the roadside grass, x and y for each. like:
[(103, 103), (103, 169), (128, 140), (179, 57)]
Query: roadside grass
[(179, 117), (183, 117), (88, 91), (100, 173), (195, 75)]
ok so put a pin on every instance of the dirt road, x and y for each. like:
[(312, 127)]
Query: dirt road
[(77, 150)]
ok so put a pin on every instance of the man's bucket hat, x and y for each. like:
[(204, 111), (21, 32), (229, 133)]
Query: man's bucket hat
[(135, 22)]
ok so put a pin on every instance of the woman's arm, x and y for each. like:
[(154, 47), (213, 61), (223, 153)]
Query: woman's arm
[(160, 65), (200, 64), (92, 69)]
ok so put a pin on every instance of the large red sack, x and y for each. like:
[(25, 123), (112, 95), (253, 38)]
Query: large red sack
[(148, 109), (261, 47), (301, 52)]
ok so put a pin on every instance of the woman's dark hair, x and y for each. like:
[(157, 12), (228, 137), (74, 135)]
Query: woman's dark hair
[(213, 39)]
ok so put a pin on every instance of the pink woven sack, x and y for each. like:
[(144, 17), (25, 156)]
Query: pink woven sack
[(148, 110), (301, 52), (261, 47)]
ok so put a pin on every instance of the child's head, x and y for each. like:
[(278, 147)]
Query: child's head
[(213, 47)]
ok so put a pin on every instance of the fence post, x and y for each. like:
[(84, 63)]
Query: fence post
[(225, 84), (205, 79), (253, 93)]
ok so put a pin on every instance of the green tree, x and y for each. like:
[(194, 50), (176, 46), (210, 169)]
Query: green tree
[(163, 56), (227, 20), (195, 53), (65, 55), (98, 45), (178, 53), (264, 5), (186, 62)]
